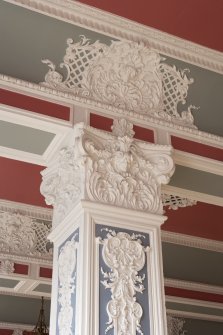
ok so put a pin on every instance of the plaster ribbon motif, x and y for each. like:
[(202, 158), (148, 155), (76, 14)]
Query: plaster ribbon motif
[(66, 268), (125, 256)]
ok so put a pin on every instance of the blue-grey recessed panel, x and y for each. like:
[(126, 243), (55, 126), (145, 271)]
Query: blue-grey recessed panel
[(105, 293), (23, 310), (197, 180), (15, 136), (45, 288), (9, 283), (192, 264), (74, 237)]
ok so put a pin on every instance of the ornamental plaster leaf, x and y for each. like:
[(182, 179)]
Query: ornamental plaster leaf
[(175, 325), (62, 185), (121, 173), (66, 267), (125, 256), (108, 168), (174, 201), (6, 266), (124, 75)]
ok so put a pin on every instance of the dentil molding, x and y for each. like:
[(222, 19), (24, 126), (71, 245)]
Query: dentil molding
[(111, 168), (112, 25), (110, 111)]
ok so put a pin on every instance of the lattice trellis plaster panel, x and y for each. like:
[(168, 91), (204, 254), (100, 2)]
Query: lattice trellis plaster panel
[(174, 201), (125, 75), (22, 235), (175, 325)]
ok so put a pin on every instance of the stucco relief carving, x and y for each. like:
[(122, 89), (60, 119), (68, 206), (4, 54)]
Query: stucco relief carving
[(120, 172), (66, 269), (6, 266), (113, 168), (125, 256), (63, 183), (125, 75), (174, 201), (21, 234)]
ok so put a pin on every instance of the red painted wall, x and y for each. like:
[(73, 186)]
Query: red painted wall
[(199, 21)]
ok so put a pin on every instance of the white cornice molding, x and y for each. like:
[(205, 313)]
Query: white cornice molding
[(35, 212), (202, 197), (193, 286), (192, 241), (121, 28), (110, 111), (198, 162), (194, 302), (12, 326), (192, 315)]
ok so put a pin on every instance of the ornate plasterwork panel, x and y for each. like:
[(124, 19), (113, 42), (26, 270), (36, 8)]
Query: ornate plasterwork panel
[(66, 270), (109, 168), (125, 75), (6, 266), (125, 256), (175, 325), (23, 235), (174, 201)]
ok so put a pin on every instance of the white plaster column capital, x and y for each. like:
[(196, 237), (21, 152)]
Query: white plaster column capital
[(111, 168)]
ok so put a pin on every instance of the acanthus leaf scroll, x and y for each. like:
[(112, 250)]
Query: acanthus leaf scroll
[(111, 168)]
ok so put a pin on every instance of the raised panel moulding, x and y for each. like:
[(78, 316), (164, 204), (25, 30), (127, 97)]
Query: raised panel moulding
[(108, 168), (124, 75)]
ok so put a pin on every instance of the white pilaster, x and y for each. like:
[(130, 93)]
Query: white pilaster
[(105, 189)]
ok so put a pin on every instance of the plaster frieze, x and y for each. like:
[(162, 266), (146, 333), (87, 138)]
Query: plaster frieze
[(111, 168)]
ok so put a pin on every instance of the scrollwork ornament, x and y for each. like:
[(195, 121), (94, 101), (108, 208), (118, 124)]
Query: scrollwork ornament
[(66, 268), (125, 256), (125, 75), (120, 173)]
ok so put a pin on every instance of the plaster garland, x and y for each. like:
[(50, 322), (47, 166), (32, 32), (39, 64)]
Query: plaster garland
[(109, 168), (125, 75), (125, 256), (66, 270)]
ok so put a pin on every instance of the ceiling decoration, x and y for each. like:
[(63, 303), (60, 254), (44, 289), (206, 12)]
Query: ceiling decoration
[(125, 75)]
